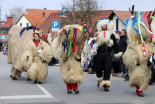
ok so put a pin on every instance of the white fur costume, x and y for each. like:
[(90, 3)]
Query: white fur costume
[(37, 63)]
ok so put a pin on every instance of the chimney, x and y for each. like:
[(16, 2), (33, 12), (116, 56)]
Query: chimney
[(44, 15), (9, 20)]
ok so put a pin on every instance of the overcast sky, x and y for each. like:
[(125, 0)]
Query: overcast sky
[(140, 5)]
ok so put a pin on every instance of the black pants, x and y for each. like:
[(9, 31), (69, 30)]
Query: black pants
[(116, 65), (123, 68), (153, 75), (103, 62)]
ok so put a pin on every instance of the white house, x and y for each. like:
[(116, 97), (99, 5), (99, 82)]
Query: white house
[(23, 21), (34, 17), (119, 19)]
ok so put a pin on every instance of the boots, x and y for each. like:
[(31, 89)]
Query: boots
[(69, 91), (139, 93), (73, 86), (99, 80), (35, 81), (76, 91), (126, 77), (14, 78), (106, 89)]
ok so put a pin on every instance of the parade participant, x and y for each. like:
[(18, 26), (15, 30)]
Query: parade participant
[(93, 46), (137, 55), (36, 56), (20, 46), (16, 45), (122, 44), (84, 58), (1, 44), (6, 46), (67, 48), (103, 59), (152, 25)]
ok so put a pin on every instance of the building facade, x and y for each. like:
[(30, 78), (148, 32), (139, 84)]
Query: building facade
[(4, 28)]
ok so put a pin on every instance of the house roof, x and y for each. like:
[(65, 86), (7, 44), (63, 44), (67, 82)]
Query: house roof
[(123, 15), (95, 16), (40, 12), (48, 22), (105, 13), (55, 16), (34, 19), (7, 25), (101, 13)]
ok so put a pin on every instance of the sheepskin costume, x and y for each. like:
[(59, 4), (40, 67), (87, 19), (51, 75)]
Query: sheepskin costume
[(35, 60), (103, 60), (22, 46), (136, 60), (16, 47), (153, 31), (70, 65)]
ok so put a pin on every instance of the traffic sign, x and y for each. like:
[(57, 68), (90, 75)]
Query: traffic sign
[(55, 26), (6, 37)]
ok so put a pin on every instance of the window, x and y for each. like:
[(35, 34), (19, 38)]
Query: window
[(116, 24), (27, 24), (20, 24)]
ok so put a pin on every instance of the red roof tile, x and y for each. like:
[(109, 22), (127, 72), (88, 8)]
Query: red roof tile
[(101, 13), (48, 23), (55, 16), (123, 15), (40, 12), (34, 19), (6, 25)]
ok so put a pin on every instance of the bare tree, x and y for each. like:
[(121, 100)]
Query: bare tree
[(17, 12), (85, 10)]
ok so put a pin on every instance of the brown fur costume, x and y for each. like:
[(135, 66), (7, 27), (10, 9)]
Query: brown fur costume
[(36, 69), (70, 66), (16, 47), (139, 70)]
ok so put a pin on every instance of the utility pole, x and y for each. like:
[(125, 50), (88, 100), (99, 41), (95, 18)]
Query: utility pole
[(73, 11)]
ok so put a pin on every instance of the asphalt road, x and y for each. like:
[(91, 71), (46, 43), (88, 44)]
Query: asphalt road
[(53, 90)]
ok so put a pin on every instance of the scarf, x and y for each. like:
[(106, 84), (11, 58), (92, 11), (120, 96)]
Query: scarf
[(36, 42)]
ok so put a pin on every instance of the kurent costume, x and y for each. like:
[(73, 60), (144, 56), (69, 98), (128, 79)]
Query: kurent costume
[(137, 55), (67, 48), (38, 54), (103, 59), (21, 47)]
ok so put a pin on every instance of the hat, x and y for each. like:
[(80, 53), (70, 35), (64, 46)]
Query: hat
[(103, 18)]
